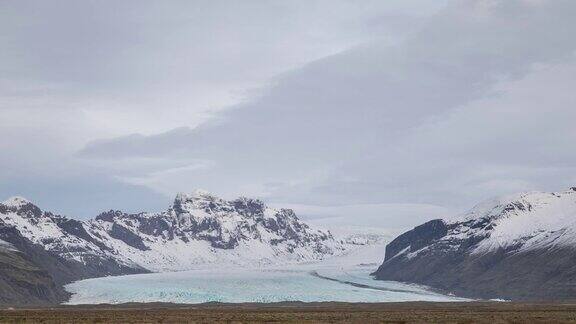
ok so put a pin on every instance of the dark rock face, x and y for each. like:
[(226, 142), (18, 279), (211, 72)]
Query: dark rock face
[(249, 207), (417, 238), (480, 256), (123, 234), (23, 283), (42, 273), (108, 216), (157, 227), (76, 228), (535, 275)]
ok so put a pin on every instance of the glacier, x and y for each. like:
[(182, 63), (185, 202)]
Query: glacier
[(341, 279)]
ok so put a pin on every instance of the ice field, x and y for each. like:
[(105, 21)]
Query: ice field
[(338, 279)]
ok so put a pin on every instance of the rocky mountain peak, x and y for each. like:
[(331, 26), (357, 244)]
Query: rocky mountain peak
[(197, 194), (20, 206), (16, 202), (198, 200), (109, 216)]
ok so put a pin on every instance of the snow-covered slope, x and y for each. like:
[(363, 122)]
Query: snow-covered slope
[(523, 222), (519, 222), (504, 247), (66, 237), (196, 230)]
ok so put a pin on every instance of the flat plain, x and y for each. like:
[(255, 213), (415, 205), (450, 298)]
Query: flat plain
[(295, 312)]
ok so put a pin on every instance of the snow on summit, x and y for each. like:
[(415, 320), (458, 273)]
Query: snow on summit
[(526, 221), (15, 202)]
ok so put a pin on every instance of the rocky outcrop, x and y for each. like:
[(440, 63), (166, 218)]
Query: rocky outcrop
[(24, 283), (520, 247)]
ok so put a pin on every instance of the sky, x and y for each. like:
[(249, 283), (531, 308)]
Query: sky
[(389, 113)]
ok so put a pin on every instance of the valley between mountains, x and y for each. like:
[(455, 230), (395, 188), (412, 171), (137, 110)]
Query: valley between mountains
[(204, 248)]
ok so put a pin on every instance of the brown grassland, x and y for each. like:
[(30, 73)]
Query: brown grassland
[(413, 312)]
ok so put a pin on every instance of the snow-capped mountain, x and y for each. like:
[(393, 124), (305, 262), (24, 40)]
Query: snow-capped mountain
[(197, 229), (520, 247), (202, 229)]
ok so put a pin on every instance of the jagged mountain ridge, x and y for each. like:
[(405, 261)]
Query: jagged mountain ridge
[(203, 229), (515, 247), (197, 229)]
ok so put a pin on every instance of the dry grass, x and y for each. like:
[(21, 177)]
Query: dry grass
[(300, 313)]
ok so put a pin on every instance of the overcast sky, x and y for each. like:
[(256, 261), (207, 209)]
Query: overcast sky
[(402, 110)]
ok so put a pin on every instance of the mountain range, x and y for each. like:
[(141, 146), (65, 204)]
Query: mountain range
[(41, 251), (517, 247)]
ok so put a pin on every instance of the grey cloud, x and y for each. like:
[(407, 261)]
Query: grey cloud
[(71, 72), (472, 102), (352, 127), (148, 66), (139, 145), (78, 71), (136, 51), (83, 196)]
